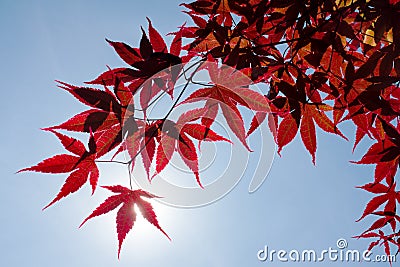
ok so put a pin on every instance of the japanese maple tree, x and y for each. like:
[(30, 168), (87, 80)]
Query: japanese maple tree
[(325, 62)]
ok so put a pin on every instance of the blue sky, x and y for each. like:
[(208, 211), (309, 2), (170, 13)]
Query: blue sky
[(300, 206)]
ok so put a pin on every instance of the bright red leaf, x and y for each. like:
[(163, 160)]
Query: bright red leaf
[(126, 214)]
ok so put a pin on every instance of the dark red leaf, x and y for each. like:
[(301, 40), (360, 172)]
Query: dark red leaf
[(157, 42), (146, 48), (127, 53)]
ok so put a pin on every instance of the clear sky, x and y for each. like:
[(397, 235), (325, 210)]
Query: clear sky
[(300, 206)]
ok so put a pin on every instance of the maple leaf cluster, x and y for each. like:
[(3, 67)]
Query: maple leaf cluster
[(325, 62)]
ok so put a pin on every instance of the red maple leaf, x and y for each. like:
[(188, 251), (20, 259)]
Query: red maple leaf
[(229, 89), (177, 137), (385, 240), (388, 195), (81, 165), (151, 65), (126, 214)]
